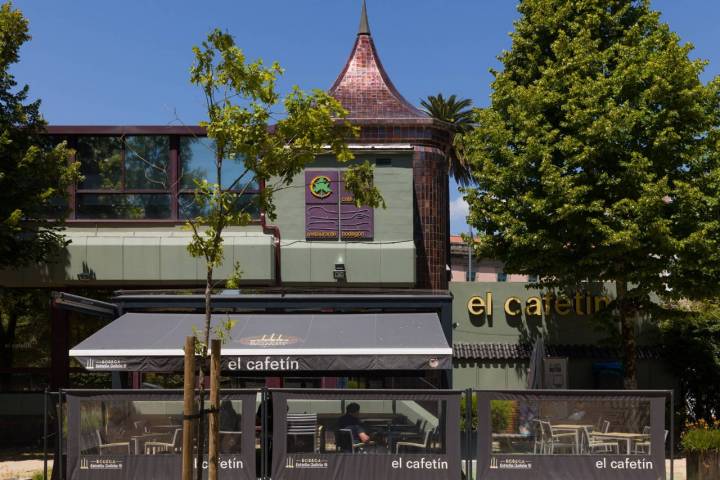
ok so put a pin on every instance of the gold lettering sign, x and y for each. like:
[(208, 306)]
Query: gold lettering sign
[(581, 304), (509, 309)]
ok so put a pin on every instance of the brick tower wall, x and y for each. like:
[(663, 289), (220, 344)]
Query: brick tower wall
[(430, 178)]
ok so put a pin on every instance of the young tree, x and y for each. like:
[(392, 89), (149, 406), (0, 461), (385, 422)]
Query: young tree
[(241, 99), (34, 175), (597, 160)]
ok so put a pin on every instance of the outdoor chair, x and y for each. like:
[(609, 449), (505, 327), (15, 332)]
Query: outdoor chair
[(644, 447), (595, 445), (539, 438), (345, 441), (557, 440), (174, 446), (414, 445), (115, 447), (605, 426), (302, 428)]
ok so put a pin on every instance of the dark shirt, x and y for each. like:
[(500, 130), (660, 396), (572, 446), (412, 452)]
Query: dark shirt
[(351, 422)]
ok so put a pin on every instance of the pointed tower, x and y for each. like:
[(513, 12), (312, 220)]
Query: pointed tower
[(364, 88), (389, 122)]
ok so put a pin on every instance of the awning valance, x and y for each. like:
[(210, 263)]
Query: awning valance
[(153, 342)]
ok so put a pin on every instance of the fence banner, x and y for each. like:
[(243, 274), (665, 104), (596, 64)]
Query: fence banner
[(363, 434), (124, 434), (571, 435)]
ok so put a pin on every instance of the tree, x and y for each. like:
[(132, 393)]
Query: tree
[(691, 331), (459, 115), (597, 160), (241, 99), (34, 175)]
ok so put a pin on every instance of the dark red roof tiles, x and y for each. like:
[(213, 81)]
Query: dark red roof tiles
[(365, 89)]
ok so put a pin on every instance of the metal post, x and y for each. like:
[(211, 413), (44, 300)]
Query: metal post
[(264, 399), (59, 460), (672, 434), (469, 431), (470, 248), (45, 433)]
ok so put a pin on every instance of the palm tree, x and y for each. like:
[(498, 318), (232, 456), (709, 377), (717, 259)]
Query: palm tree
[(459, 114)]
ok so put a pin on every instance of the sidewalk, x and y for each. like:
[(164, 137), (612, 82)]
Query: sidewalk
[(22, 469)]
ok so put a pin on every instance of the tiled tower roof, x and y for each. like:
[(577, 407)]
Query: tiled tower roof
[(364, 87)]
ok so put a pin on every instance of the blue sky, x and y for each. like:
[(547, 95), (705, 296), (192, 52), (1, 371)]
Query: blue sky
[(123, 63)]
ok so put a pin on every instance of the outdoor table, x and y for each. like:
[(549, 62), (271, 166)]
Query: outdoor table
[(576, 429), (626, 437)]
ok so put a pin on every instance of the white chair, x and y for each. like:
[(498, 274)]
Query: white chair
[(113, 447), (539, 437), (557, 440), (415, 445), (644, 447), (598, 445), (174, 446)]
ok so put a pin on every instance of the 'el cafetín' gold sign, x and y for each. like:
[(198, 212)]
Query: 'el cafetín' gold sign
[(581, 304)]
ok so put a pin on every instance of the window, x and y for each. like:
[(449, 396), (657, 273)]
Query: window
[(151, 177), (502, 277), (197, 162)]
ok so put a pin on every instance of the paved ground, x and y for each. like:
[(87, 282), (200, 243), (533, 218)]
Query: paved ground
[(21, 469), (679, 469)]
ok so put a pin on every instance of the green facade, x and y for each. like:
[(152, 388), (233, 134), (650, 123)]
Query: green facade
[(570, 329)]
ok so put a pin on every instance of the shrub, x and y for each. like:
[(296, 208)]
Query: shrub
[(701, 436)]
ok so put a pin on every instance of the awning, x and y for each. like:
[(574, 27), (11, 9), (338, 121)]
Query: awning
[(153, 342)]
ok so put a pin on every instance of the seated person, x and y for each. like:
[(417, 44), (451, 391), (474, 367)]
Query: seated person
[(351, 421)]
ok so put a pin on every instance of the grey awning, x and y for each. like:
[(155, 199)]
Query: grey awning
[(277, 343)]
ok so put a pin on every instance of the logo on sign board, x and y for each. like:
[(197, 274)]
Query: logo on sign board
[(321, 186), (90, 364), (271, 340), (433, 362)]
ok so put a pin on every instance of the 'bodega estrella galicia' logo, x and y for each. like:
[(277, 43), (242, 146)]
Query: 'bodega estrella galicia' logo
[(321, 186)]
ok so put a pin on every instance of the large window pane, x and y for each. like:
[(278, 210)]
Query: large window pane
[(189, 208), (571, 426), (123, 207), (197, 162), (363, 425), (147, 162), (100, 159)]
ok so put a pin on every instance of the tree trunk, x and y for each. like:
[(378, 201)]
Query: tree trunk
[(627, 326), (203, 358), (188, 408), (214, 424)]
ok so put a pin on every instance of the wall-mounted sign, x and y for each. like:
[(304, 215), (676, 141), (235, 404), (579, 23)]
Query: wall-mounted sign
[(581, 304), (330, 210)]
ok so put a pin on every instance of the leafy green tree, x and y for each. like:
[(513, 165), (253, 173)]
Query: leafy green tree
[(691, 332), (34, 175), (460, 116), (242, 102), (598, 158)]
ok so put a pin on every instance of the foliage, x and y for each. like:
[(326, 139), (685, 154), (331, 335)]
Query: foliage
[(691, 332), (501, 412), (598, 159), (701, 436), (241, 98), (34, 175), (460, 116)]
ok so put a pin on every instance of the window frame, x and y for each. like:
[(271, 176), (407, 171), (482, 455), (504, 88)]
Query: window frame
[(72, 134)]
